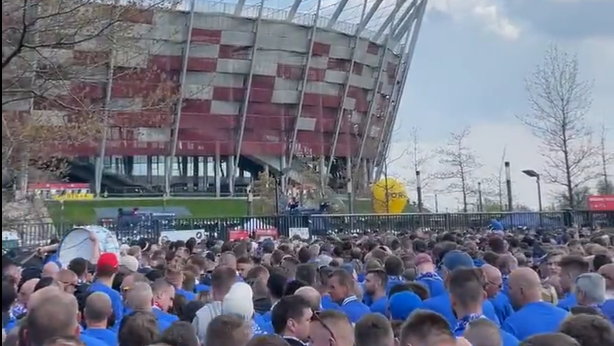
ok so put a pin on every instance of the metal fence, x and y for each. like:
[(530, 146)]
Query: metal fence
[(36, 234)]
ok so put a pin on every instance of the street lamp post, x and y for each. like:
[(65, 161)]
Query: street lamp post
[(531, 173)]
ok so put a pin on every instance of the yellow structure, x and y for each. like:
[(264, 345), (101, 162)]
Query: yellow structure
[(74, 196), (389, 196)]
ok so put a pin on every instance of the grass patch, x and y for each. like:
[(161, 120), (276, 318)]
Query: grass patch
[(82, 212)]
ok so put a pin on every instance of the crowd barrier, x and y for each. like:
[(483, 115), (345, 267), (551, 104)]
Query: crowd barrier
[(225, 228)]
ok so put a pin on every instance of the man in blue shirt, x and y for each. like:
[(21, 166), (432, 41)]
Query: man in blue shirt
[(140, 298), (106, 268), (96, 313), (175, 277), (402, 304), (394, 268), (375, 286), (428, 276), (571, 267), (467, 296), (53, 313), (341, 287), (164, 294), (493, 285), (442, 304), (506, 264), (607, 308), (591, 291), (534, 316)]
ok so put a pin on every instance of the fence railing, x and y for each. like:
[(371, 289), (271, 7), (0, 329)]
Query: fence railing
[(36, 234)]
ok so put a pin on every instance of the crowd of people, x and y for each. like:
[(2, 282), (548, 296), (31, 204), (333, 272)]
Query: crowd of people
[(417, 288)]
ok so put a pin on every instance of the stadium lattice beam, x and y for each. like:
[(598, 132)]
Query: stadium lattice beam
[(369, 15), (392, 14), (239, 7), (293, 10), (412, 38), (336, 14)]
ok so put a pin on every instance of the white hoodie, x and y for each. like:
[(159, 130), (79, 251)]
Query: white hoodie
[(204, 316)]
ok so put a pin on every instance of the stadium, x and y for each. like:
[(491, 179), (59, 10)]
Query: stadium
[(259, 86)]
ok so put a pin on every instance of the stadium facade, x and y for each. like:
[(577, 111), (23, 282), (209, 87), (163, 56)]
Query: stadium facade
[(258, 88)]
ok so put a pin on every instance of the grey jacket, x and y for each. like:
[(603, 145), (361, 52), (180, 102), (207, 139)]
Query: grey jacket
[(204, 316)]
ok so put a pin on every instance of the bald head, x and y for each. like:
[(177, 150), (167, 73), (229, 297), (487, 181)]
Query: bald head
[(526, 277), (50, 269), (26, 290), (98, 308), (607, 271), (140, 297), (338, 323), (43, 294), (68, 279), (492, 273), (311, 295), (494, 281), (524, 287), (55, 315), (66, 275)]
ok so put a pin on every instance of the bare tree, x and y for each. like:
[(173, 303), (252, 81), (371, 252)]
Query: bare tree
[(559, 101), (56, 63), (579, 198), (458, 165), (606, 158)]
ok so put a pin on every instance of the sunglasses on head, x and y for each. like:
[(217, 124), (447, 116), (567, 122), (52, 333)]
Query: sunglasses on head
[(316, 318)]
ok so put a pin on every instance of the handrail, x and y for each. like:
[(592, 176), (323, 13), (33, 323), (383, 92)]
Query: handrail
[(270, 13)]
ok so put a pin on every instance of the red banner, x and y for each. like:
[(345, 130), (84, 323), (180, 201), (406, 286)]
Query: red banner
[(601, 203), (259, 234)]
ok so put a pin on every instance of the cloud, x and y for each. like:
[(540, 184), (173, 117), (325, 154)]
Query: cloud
[(484, 12), (564, 19)]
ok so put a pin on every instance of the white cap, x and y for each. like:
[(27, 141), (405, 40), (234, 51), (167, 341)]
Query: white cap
[(130, 262), (238, 301)]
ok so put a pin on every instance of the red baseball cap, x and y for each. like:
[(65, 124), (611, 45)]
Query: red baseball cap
[(107, 261)]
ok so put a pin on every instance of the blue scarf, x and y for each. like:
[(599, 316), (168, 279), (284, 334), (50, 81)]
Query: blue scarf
[(429, 275), (18, 311), (462, 323)]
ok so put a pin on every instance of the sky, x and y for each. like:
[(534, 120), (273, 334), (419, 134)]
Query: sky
[(469, 70)]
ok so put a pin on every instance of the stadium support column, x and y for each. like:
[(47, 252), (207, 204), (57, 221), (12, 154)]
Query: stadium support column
[(391, 112), (346, 88), (303, 86), (322, 170), (216, 170), (248, 87), (195, 172), (149, 169), (230, 172), (508, 183), (177, 121)]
